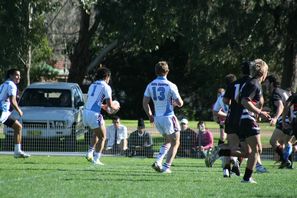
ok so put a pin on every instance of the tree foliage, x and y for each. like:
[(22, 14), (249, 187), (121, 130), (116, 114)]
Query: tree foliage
[(23, 29), (202, 41)]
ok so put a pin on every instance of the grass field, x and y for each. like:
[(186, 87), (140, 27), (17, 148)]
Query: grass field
[(57, 176)]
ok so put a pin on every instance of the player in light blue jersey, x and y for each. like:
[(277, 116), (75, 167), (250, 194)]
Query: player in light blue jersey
[(99, 91), (8, 94), (165, 97)]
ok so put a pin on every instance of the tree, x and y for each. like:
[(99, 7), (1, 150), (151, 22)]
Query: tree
[(22, 32), (210, 38)]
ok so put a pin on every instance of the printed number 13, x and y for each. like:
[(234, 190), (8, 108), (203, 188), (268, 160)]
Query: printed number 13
[(158, 93)]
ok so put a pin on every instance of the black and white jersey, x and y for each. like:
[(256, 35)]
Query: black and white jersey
[(293, 100), (278, 94), (252, 91), (232, 93)]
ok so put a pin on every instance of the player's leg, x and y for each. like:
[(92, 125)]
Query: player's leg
[(157, 165), (276, 141), (254, 143), (233, 142), (17, 127), (101, 134), (174, 141), (287, 152)]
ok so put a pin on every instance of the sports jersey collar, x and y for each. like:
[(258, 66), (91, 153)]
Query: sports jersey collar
[(161, 78)]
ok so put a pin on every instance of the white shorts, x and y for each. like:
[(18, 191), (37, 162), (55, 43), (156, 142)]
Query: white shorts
[(4, 116), (167, 125), (92, 119)]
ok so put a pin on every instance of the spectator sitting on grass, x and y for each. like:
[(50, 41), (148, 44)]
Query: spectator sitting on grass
[(187, 140), (204, 140), (140, 142)]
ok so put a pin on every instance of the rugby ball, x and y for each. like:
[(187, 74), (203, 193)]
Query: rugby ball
[(112, 111)]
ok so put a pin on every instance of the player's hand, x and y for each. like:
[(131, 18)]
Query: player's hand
[(21, 113), (104, 107), (265, 115), (273, 121), (151, 117)]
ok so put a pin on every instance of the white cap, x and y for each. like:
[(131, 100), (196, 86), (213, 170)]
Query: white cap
[(184, 121)]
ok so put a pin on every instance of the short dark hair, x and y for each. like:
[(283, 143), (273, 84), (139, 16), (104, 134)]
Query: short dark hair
[(141, 123), (116, 118), (11, 72), (161, 68), (272, 79), (102, 73), (200, 122), (246, 67), (229, 78)]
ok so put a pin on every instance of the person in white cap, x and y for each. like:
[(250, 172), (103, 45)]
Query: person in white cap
[(187, 140)]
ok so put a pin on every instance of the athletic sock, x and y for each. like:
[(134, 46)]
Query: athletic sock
[(279, 151), (163, 151), (247, 174), (291, 158), (91, 149), (227, 166), (17, 148), (97, 156), (287, 152), (166, 166)]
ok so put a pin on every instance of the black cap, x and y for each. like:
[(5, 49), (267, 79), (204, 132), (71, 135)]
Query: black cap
[(141, 123)]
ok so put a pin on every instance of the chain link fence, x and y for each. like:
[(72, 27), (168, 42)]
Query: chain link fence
[(41, 138)]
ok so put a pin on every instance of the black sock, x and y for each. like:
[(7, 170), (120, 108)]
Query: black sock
[(247, 174), (228, 166), (279, 151), (225, 152)]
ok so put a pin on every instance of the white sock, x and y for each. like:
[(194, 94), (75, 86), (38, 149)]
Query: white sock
[(97, 156), (17, 148), (163, 151), (91, 149)]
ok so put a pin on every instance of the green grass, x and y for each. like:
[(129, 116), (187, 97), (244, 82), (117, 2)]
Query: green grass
[(57, 176)]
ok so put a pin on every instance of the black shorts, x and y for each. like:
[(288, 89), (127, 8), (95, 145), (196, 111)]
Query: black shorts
[(248, 128), (279, 125), (232, 125), (9, 122)]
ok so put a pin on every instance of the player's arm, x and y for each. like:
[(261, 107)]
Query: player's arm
[(15, 105), (286, 111), (110, 104), (147, 109), (247, 103), (279, 109), (178, 102)]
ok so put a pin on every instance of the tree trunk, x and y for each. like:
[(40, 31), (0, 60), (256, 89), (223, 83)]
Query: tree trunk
[(80, 58), (289, 79)]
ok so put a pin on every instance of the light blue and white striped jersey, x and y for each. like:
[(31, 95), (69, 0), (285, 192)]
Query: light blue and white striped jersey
[(7, 89), (162, 92), (97, 93)]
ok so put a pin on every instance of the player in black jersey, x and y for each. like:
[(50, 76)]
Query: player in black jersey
[(233, 116), (277, 102), (250, 97), (290, 109)]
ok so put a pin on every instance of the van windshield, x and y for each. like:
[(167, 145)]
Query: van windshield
[(46, 98)]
